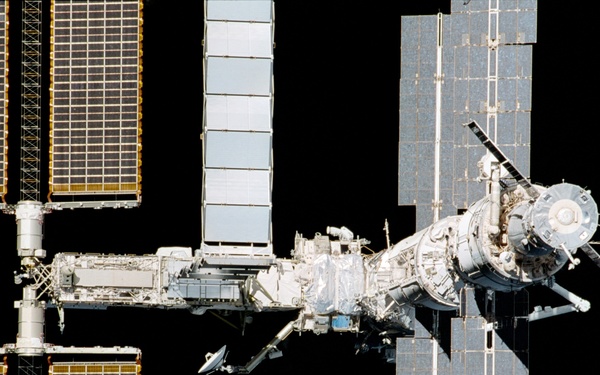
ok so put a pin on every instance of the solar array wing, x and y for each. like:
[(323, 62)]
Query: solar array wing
[(419, 353), (474, 64), (237, 128), (492, 339), (95, 125), (591, 253), (76, 368), (3, 96)]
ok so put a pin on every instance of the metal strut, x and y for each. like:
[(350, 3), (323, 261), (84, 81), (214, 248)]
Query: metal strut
[(502, 159), (31, 81)]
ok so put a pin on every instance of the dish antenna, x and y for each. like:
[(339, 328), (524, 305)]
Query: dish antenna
[(214, 362)]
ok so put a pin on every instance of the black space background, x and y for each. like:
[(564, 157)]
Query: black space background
[(335, 163)]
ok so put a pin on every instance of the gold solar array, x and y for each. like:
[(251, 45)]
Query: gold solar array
[(3, 95), (95, 368), (95, 110)]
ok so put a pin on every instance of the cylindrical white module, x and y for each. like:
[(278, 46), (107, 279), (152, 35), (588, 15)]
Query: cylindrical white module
[(30, 338), (30, 220)]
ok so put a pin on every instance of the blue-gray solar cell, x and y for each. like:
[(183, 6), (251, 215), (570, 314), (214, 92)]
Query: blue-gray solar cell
[(508, 61), (447, 106), (474, 360), (458, 34), (409, 39), (423, 212), (473, 6), (426, 129), (522, 158), (458, 363), (457, 335), (475, 334), (461, 95), (525, 57), (507, 95), (408, 174), (424, 181), (509, 27), (523, 119), (507, 363), (507, 137), (447, 174), (423, 361), (478, 28), (408, 196), (524, 94), (409, 128), (528, 26), (410, 69), (447, 198), (478, 89)]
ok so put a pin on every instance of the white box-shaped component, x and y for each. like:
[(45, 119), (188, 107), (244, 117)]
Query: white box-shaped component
[(238, 150), (243, 113), (239, 39), (240, 10), (85, 277), (235, 186), (237, 224), (239, 76)]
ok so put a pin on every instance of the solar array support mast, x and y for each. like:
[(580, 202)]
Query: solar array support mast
[(31, 82)]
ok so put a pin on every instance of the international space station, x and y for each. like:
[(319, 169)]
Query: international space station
[(484, 231)]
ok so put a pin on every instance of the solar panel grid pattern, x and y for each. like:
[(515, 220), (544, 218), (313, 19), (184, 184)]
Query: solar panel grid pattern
[(82, 368), (237, 126), (95, 144), (3, 95), (482, 81)]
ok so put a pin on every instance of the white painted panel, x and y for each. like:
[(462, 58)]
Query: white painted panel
[(238, 76), (240, 10), (237, 224), (226, 112), (237, 150), (239, 39), (238, 187)]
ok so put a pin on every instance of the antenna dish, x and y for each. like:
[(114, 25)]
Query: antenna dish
[(213, 361)]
